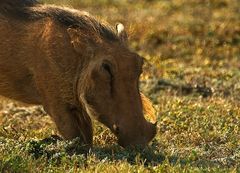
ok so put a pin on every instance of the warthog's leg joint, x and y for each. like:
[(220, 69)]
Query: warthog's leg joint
[(72, 122)]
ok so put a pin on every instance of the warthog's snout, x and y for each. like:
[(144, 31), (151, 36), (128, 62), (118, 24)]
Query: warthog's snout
[(141, 138)]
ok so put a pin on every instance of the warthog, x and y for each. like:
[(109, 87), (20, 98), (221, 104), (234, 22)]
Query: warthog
[(76, 67)]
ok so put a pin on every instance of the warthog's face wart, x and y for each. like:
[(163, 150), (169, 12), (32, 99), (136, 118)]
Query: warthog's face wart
[(111, 93)]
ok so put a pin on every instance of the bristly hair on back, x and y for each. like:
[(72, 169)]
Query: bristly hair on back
[(33, 10)]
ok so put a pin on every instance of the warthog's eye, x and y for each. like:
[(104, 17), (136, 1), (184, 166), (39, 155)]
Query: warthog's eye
[(107, 66)]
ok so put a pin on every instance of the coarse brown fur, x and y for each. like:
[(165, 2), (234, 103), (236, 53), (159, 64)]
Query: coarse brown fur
[(76, 67)]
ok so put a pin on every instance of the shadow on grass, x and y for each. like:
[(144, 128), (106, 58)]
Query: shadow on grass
[(152, 156), (186, 89), (149, 156), (50, 147)]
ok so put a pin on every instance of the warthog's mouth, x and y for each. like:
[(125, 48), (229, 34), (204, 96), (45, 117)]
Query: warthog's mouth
[(141, 141)]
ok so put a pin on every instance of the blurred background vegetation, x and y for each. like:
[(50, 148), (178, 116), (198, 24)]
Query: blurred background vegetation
[(192, 75)]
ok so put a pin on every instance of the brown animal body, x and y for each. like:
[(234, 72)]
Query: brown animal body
[(73, 65)]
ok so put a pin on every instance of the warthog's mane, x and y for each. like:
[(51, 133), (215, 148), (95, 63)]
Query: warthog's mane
[(33, 10)]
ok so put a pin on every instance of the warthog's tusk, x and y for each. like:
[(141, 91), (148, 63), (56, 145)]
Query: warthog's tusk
[(148, 109)]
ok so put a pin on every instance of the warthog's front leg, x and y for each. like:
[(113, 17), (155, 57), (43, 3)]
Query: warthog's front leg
[(71, 122)]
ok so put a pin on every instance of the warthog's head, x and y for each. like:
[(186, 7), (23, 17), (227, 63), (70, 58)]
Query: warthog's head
[(109, 90)]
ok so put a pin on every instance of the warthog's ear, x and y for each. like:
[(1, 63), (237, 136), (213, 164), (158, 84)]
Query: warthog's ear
[(122, 34), (79, 42)]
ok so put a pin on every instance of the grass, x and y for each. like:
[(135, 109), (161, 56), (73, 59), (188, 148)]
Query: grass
[(192, 77)]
